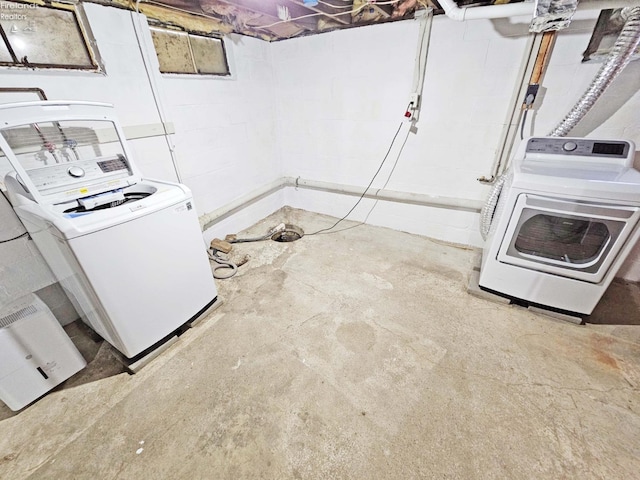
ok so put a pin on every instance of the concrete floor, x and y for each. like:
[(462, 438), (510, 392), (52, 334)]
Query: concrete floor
[(353, 355)]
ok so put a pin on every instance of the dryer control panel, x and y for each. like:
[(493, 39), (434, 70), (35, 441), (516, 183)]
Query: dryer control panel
[(606, 151)]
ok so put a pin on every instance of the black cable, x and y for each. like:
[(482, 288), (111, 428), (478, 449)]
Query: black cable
[(532, 90), (524, 120), (15, 238), (366, 189), (378, 190), (22, 234)]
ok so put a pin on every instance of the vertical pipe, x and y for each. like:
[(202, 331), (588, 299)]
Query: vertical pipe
[(512, 121)]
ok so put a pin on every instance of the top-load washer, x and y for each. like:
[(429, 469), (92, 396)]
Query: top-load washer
[(128, 250), (567, 217)]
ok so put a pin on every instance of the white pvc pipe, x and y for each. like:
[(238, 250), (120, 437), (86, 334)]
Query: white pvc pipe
[(454, 12), (209, 219), (490, 11), (392, 196)]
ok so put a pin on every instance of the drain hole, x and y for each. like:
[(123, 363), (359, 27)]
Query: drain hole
[(291, 233)]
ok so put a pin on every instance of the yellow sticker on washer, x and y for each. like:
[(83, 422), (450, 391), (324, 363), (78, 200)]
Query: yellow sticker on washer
[(84, 190)]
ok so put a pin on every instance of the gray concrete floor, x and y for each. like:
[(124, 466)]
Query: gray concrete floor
[(353, 355)]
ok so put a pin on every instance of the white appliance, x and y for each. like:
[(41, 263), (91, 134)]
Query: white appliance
[(35, 352), (128, 251), (566, 219)]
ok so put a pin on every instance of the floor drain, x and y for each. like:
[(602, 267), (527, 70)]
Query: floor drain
[(291, 233)]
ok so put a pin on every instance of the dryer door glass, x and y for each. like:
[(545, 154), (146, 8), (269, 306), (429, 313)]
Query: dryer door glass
[(566, 236), (571, 240)]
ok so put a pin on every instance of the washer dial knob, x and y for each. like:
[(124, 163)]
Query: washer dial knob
[(569, 146), (75, 172)]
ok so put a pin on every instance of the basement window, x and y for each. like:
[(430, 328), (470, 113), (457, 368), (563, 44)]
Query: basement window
[(182, 52), (43, 36)]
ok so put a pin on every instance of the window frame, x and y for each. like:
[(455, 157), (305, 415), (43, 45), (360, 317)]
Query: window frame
[(189, 34), (83, 30)]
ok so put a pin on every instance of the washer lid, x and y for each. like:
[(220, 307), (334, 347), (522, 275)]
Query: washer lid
[(65, 150)]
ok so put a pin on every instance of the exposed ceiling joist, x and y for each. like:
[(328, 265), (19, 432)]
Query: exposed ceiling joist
[(338, 13), (270, 9), (281, 19)]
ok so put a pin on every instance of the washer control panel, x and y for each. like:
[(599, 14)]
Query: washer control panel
[(75, 172), (62, 176), (583, 147)]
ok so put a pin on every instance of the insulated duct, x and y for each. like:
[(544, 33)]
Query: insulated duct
[(619, 57), (552, 15)]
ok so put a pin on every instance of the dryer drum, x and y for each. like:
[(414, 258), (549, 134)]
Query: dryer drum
[(562, 238)]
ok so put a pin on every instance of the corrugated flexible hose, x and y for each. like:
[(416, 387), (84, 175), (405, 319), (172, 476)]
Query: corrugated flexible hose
[(489, 208), (619, 57)]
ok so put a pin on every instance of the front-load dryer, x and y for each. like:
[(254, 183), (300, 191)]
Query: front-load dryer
[(567, 217)]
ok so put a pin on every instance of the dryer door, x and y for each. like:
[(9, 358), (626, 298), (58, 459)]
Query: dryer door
[(569, 238)]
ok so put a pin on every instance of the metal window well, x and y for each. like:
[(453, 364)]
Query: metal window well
[(291, 233)]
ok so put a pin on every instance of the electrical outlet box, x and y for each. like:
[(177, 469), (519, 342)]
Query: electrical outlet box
[(414, 101)]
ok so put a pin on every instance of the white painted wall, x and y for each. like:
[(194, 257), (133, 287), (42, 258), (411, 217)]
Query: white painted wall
[(226, 132), (342, 95), (224, 141)]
